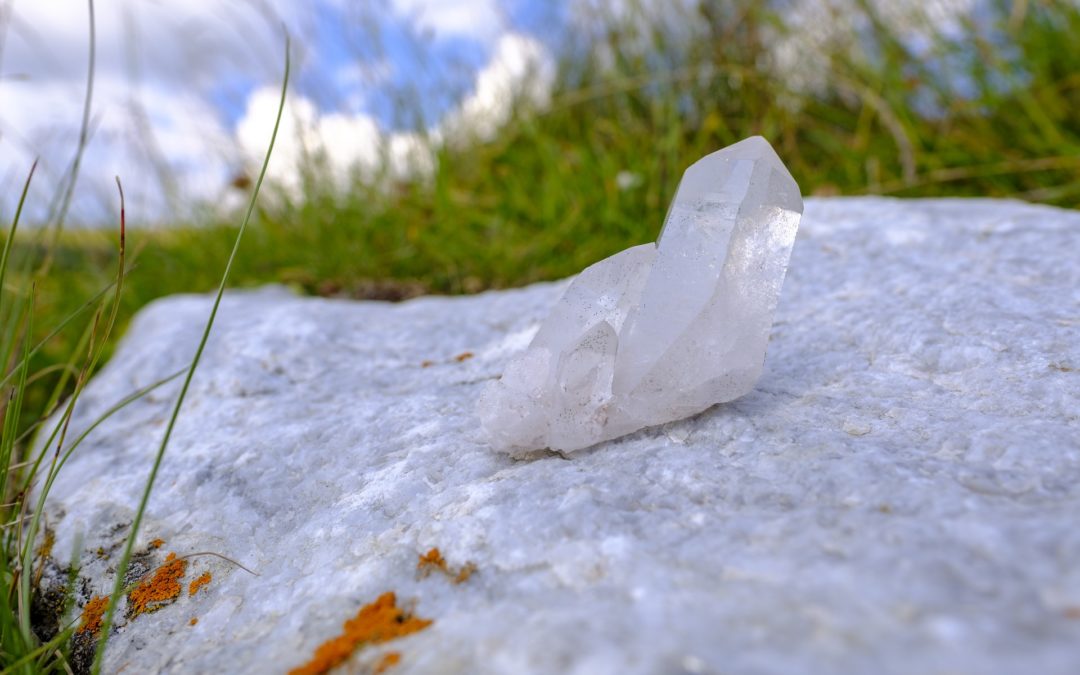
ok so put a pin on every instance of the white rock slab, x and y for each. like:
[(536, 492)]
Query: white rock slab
[(899, 494)]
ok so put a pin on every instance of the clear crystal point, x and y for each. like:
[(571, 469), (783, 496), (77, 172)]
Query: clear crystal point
[(658, 333)]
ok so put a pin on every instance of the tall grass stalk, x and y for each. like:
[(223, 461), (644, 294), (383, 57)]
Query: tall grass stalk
[(18, 640), (7, 443), (94, 355), (125, 559), (84, 138), (14, 228), (64, 323)]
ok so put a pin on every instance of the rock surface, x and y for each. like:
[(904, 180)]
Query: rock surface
[(900, 493), (657, 333)]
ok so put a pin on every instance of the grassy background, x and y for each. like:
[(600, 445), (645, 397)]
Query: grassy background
[(989, 110)]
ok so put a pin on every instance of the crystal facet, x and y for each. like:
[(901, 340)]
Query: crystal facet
[(661, 331)]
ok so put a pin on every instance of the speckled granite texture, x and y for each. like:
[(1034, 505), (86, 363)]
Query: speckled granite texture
[(899, 494)]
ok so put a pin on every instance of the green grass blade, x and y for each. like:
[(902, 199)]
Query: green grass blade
[(11, 232), (10, 636), (57, 330), (15, 401), (54, 471), (83, 344), (88, 368), (11, 423), (84, 136), (30, 656), (16, 406)]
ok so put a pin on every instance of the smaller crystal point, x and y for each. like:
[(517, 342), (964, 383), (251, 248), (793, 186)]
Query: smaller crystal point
[(659, 332)]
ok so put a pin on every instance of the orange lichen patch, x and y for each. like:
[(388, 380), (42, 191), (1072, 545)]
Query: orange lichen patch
[(433, 560), (386, 662), (157, 543), (426, 364), (92, 613), (463, 356), (194, 620), (464, 572), (1072, 612), (161, 589), (375, 623), (194, 587)]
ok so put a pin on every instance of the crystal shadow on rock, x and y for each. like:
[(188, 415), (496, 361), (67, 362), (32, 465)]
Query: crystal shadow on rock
[(760, 402), (663, 331)]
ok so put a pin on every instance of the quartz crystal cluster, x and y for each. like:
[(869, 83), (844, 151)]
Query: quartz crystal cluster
[(660, 331)]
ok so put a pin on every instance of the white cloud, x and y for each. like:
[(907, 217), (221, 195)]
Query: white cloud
[(337, 145), (154, 126), (476, 19), (520, 71), (343, 142), (164, 146)]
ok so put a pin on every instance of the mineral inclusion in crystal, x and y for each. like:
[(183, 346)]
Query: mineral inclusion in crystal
[(660, 331)]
